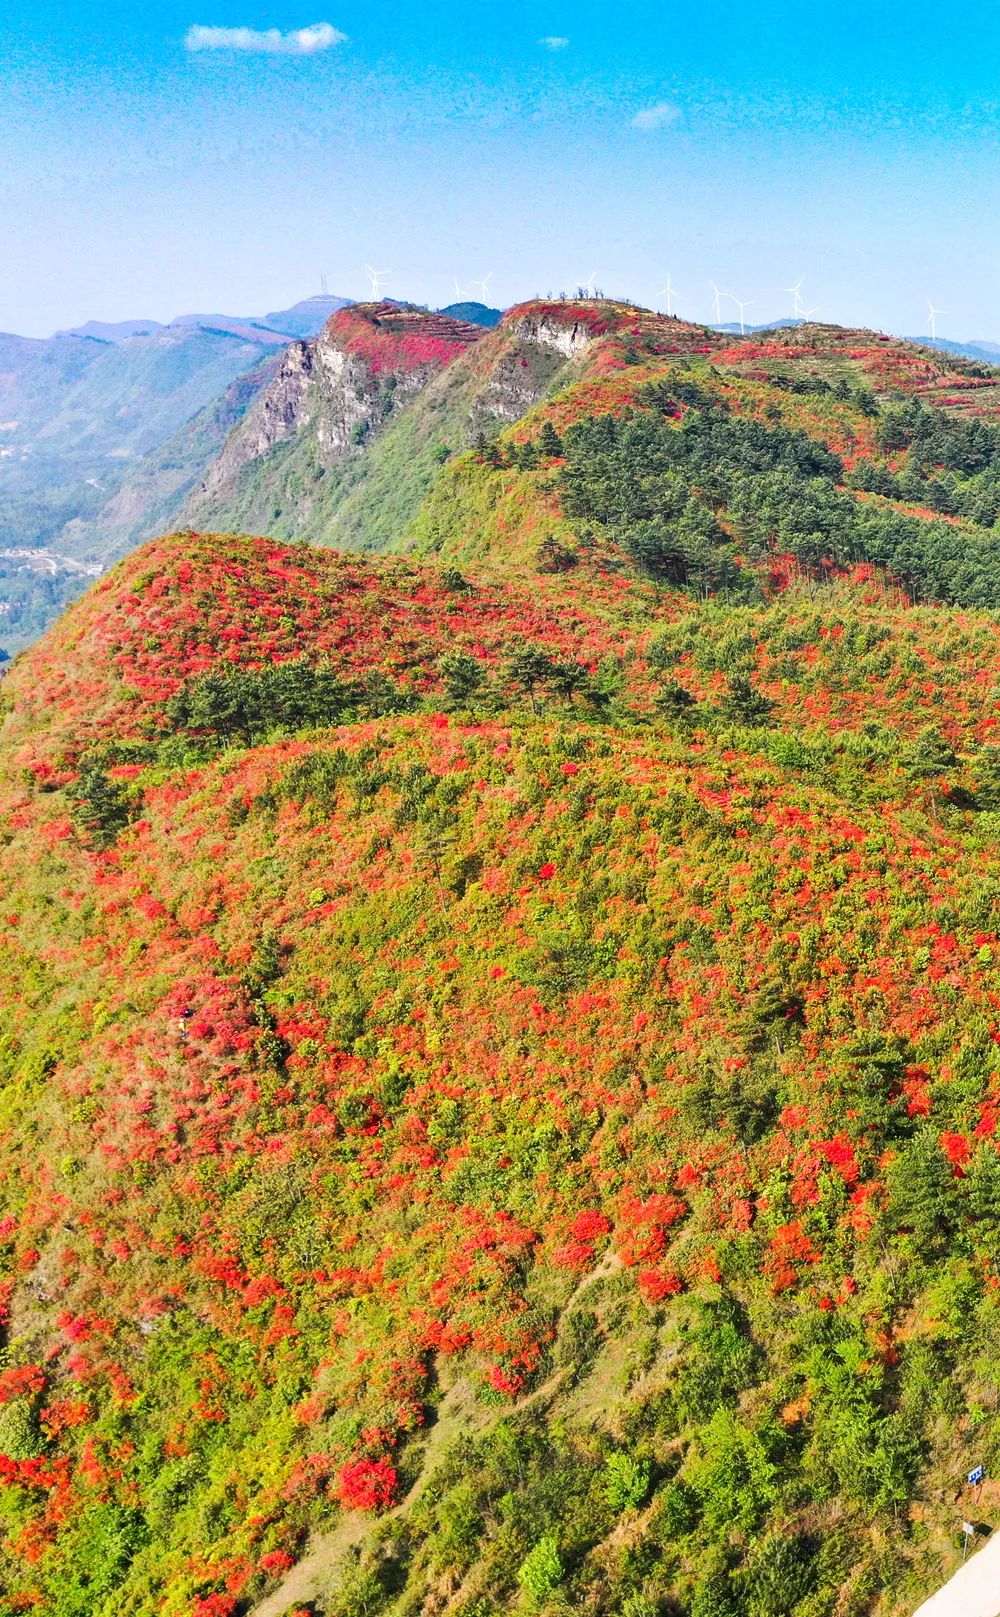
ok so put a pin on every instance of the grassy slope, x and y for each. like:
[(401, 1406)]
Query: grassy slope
[(496, 519), (601, 1076), (533, 1046)]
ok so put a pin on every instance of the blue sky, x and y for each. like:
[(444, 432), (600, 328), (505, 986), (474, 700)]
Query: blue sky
[(855, 144)]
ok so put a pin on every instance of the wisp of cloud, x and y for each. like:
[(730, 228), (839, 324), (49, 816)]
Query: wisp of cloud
[(554, 42), (319, 36), (658, 116)]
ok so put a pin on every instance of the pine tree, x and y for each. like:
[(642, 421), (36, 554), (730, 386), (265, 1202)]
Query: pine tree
[(550, 443), (983, 1185), (742, 704), (929, 759), (102, 808), (674, 703), (922, 1192), (530, 668), (462, 675), (986, 776)]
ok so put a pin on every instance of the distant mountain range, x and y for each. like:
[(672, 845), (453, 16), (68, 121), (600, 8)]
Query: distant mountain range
[(974, 348), (105, 427), (477, 314), (303, 319)]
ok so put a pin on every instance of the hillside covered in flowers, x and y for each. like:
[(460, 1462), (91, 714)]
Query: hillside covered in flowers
[(500, 1042)]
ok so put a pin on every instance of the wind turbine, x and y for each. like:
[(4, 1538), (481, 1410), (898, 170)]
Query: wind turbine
[(483, 285), (932, 315), (588, 286), (458, 289), (718, 302), (669, 293), (741, 304), (376, 277), (796, 301), (807, 314)]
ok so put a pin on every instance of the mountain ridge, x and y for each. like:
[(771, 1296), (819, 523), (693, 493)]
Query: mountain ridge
[(73, 507), (543, 984)]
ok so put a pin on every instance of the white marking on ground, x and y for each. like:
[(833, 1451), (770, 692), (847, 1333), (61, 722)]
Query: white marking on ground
[(974, 1591)]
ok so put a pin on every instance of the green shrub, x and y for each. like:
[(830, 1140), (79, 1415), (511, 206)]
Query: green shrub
[(626, 1481), (541, 1571)]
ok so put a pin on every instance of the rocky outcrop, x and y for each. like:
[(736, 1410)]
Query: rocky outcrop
[(520, 377), (569, 334), (345, 442)]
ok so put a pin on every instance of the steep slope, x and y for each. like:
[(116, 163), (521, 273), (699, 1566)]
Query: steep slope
[(331, 399), (157, 485), (33, 372), (140, 390)]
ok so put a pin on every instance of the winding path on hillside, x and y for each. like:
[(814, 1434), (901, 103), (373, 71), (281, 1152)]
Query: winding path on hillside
[(459, 1412)]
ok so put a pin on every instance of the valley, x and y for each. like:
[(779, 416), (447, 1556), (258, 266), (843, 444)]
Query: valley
[(106, 423)]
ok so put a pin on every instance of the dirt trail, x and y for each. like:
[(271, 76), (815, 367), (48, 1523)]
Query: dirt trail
[(459, 1412)]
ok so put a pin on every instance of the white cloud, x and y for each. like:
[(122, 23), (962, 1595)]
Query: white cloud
[(319, 36), (660, 116), (554, 42)]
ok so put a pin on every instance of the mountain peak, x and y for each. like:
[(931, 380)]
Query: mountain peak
[(112, 330)]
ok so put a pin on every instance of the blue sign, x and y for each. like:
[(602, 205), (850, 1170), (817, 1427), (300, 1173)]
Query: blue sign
[(977, 1475)]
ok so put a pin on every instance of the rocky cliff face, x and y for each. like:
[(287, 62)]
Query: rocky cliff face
[(519, 377), (341, 387)]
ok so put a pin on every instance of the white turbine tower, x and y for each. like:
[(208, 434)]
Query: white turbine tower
[(588, 285), (458, 289), (717, 305), (483, 285), (669, 292), (376, 277), (741, 304), (932, 315), (796, 301)]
